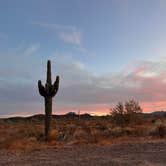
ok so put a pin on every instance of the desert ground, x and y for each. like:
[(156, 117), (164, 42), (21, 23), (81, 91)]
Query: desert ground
[(141, 154), (82, 142)]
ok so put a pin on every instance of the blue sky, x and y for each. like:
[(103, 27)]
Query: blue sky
[(107, 50)]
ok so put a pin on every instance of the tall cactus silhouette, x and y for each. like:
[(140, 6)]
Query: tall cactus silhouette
[(48, 92)]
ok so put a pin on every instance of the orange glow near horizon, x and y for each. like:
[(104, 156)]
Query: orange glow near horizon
[(104, 109), (96, 109), (153, 106)]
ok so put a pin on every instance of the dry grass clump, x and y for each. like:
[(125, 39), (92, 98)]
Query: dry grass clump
[(97, 130), (19, 135), (20, 144), (158, 131)]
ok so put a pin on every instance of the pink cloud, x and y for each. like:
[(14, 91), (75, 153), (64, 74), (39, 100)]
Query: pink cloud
[(154, 106)]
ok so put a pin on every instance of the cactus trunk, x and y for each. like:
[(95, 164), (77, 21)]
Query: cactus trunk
[(48, 92), (48, 116), (49, 73)]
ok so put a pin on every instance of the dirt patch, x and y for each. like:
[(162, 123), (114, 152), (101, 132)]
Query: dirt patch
[(140, 154)]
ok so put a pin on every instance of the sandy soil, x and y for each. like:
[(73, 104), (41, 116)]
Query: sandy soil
[(141, 154)]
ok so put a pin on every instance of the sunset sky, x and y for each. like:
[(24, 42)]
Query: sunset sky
[(105, 51)]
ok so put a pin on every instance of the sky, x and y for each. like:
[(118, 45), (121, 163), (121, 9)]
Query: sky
[(105, 51)]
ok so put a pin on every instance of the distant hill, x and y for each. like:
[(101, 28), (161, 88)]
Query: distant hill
[(155, 114), (40, 117)]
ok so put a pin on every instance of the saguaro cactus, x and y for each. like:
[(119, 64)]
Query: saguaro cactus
[(48, 92)]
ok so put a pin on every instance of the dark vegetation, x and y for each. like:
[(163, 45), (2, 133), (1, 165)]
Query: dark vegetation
[(74, 129), (48, 92), (127, 113)]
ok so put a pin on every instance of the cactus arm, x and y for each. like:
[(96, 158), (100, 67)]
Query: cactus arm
[(41, 89), (56, 83), (55, 87)]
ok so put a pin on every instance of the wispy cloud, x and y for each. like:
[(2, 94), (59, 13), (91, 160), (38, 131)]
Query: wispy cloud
[(67, 33), (73, 37), (79, 88), (32, 49), (55, 26), (87, 89)]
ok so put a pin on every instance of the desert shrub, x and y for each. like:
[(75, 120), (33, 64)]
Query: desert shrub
[(133, 111), (127, 113), (53, 135), (65, 133), (117, 132), (99, 132), (158, 122), (159, 131), (153, 120), (118, 114), (82, 133), (31, 130)]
